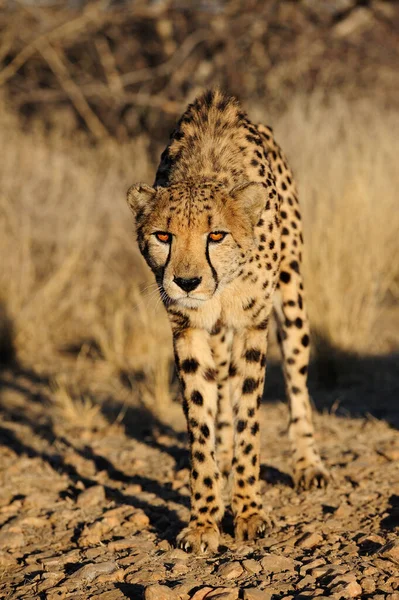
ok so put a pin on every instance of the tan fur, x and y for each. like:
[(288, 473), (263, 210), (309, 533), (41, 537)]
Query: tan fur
[(221, 173)]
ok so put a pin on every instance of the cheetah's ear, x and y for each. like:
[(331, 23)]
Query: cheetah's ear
[(140, 197), (252, 198)]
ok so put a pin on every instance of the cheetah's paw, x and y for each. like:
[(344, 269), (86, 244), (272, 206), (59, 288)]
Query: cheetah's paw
[(199, 538), (251, 527), (312, 476)]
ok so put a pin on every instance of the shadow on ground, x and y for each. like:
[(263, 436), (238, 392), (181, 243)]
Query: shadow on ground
[(346, 384)]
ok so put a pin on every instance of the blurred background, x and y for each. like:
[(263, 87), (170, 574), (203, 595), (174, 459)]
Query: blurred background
[(89, 93)]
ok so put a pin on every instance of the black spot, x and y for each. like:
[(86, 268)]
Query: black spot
[(251, 412), (263, 324), (254, 460), (294, 266), (185, 407), (194, 474), (249, 386), (303, 370), (241, 483), (214, 510), (232, 370), (189, 365), (200, 456), (205, 431), (203, 510), (240, 469), (255, 428), (305, 340), (252, 355), (285, 277), (295, 390), (197, 496), (210, 374), (210, 498), (197, 398), (250, 304), (298, 322), (193, 423), (248, 449), (216, 328), (208, 482), (241, 425), (251, 480)]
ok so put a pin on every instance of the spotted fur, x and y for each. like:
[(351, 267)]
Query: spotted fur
[(225, 176)]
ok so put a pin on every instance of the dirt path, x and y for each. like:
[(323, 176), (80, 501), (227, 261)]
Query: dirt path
[(92, 510)]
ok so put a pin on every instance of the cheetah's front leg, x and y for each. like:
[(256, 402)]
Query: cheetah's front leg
[(248, 371), (198, 375)]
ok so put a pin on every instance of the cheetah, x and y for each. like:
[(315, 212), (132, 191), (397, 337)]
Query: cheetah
[(221, 231)]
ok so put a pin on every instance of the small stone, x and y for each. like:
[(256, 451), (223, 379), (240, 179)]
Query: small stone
[(373, 538), (176, 554), (118, 545), (273, 563), (311, 565), (111, 595), (310, 540), (368, 585), (179, 568), (164, 545), (231, 570), (244, 550), (91, 497), (201, 593), (330, 570), (251, 566), (394, 582), (12, 539), (90, 571), (345, 586), (139, 519), (256, 594), (390, 551), (307, 581), (370, 571), (159, 592), (223, 594)]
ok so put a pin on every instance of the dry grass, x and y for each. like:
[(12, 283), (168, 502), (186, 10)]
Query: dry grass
[(345, 160), (70, 273)]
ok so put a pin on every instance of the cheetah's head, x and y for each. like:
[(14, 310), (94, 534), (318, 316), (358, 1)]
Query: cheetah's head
[(195, 237)]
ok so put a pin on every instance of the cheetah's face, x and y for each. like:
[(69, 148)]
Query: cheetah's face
[(195, 238)]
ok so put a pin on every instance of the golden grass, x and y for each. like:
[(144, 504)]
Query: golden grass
[(70, 273), (345, 160)]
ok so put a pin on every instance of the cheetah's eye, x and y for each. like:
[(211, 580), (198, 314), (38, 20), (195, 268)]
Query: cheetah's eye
[(163, 237), (217, 236)]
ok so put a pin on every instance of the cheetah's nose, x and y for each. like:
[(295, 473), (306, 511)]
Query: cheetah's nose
[(188, 285)]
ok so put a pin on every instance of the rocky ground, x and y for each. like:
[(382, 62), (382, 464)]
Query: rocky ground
[(90, 506)]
